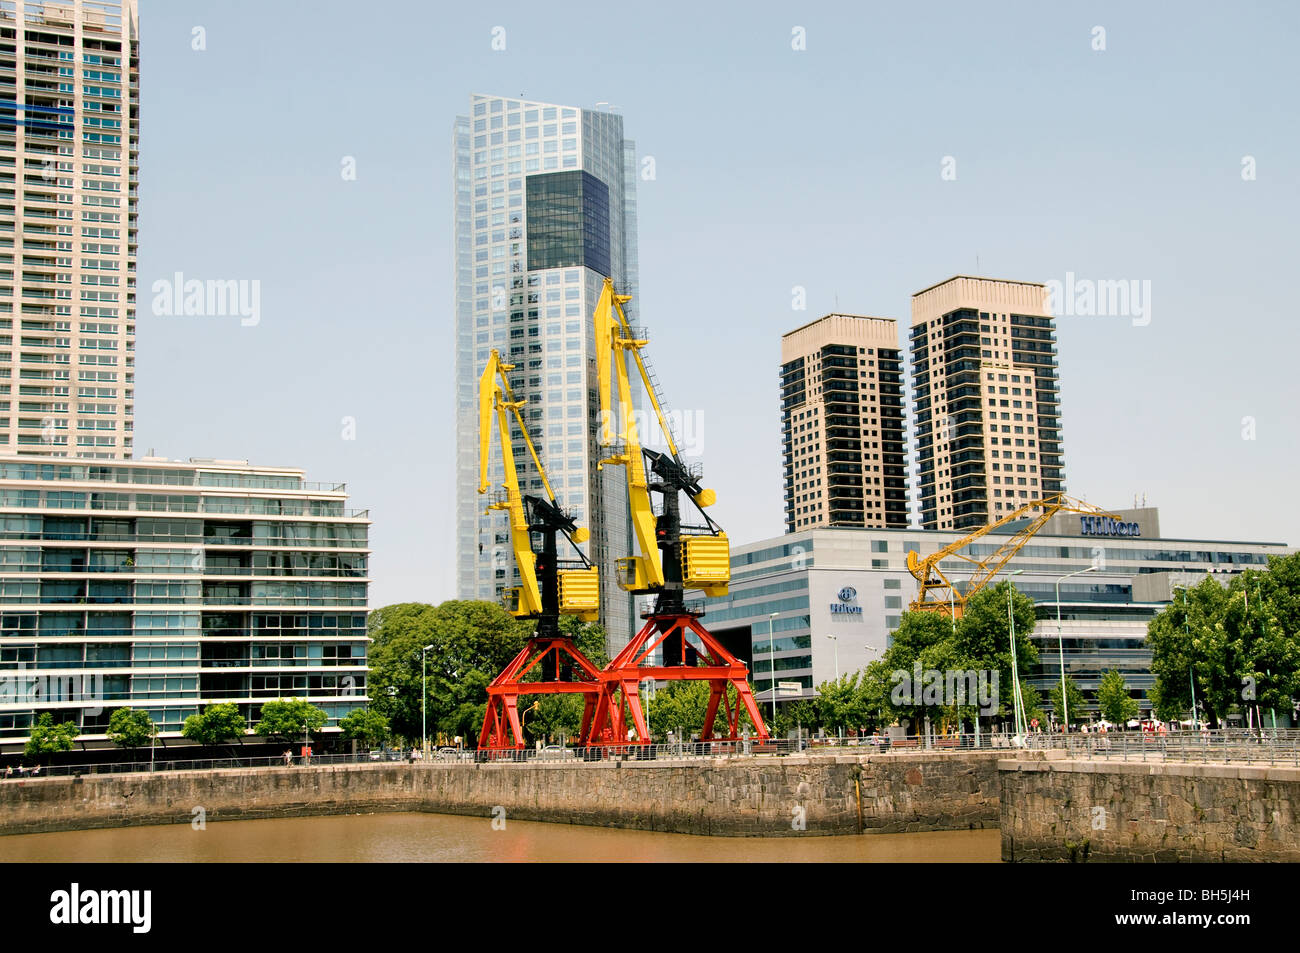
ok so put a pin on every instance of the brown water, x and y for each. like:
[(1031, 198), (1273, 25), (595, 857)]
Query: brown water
[(443, 837)]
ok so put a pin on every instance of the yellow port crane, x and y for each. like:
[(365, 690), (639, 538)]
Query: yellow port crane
[(548, 588), (550, 663), (673, 556), (939, 593)]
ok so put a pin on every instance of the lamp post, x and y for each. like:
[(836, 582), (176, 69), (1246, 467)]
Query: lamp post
[(1191, 665), (1060, 647), (837, 655), (1017, 702), (771, 655), (424, 702)]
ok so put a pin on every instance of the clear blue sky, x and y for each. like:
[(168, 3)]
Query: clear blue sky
[(774, 168)]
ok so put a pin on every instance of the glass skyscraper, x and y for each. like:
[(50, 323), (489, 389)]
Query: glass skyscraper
[(545, 210), (69, 160)]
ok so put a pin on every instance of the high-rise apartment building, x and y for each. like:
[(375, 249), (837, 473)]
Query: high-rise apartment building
[(842, 424), (69, 140), (169, 586), (545, 210), (988, 417)]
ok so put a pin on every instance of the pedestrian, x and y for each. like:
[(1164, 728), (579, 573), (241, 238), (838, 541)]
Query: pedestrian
[(9, 771), (36, 769), (288, 757)]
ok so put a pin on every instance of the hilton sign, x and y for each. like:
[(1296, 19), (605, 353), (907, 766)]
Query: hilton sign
[(1105, 526)]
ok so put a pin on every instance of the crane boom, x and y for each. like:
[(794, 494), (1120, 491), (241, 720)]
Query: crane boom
[(938, 593)]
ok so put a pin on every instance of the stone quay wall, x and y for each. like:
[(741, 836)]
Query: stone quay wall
[(1055, 809), (750, 796)]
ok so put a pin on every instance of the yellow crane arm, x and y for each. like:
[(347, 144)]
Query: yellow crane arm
[(613, 333), (939, 593)]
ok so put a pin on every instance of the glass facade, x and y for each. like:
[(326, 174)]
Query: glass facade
[(544, 212), (568, 222), (105, 603)]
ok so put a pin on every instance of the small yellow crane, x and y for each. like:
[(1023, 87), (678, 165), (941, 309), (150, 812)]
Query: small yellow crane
[(939, 593)]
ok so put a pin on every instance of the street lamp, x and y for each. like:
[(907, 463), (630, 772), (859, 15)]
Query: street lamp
[(837, 655), (424, 702), (1191, 663), (771, 656), (1060, 646), (1017, 702)]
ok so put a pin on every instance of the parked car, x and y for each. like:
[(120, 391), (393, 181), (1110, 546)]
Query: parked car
[(376, 754), (555, 753)]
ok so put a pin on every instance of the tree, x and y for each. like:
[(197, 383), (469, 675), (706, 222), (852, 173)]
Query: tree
[(47, 738), (215, 725), (287, 719), (364, 725), (471, 642), (1117, 706), (131, 728), (1074, 700)]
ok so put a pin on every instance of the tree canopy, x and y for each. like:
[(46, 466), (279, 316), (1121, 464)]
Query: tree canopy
[(470, 643), (1237, 644), (131, 728), (47, 737), (215, 725), (288, 719)]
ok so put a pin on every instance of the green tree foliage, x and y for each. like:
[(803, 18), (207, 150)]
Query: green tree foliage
[(288, 719), (48, 738), (1117, 706), (980, 642), (471, 643), (215, 725), (365, 726), (1238, 643), (131, 728), (1074, 699), (683, 705)]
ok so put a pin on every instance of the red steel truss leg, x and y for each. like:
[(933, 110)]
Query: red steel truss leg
[(718, 666), (501, 725)]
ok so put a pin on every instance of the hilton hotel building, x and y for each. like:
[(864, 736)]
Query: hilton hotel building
[(818, 600)]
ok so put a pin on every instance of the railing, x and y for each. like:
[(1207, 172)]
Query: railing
[(1223, 746)]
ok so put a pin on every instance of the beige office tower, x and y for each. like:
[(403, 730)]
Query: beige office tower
[(842, 423), (69, 140), (988, 420)]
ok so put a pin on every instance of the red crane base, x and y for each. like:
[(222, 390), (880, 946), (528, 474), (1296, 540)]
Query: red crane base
[(501, 725), (624, 674)]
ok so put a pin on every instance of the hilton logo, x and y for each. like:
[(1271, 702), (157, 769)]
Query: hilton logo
[(846, 595), (1105, 526)]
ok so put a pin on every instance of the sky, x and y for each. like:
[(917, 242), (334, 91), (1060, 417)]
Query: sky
[(306, 146)]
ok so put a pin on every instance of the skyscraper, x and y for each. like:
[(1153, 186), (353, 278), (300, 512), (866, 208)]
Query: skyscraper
[(545, 210), (69, 141), (842, 424), (988, 418)]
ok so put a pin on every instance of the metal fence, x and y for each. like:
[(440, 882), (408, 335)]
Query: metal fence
[(1230, 746), (1226, 746)]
